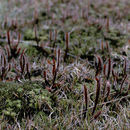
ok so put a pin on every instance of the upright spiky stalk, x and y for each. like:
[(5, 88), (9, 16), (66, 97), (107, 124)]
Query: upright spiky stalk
[(123, 83), (102, 46), (108, 90), (107, 47), (8, 52), (55, 35), (50, 35), (5, 67), (8, 37), (44, 73), (58, 61), (56, 69), (99, 66), (125, 66), (45, 78), (67, 40), (4, 61), (107, 24), (22, 63), (104, 70), (67, 45), (97, 95), (97, 115), (109, 68)]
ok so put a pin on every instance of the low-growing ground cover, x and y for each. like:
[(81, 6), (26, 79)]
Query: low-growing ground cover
[(64, 64)]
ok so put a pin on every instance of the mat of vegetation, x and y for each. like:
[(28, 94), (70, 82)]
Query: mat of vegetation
[(64, 64)]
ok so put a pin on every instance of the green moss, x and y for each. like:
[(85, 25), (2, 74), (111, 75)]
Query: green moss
[(116, 38), (32, 51), (20, 99), (29, 34)]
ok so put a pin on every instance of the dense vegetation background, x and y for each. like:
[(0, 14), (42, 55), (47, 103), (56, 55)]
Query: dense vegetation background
[(64, 64)]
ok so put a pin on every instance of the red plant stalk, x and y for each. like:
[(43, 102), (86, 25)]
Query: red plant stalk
[(109, 68), (129, 42), (67, 45), (50, 33), (9, 67), (3, 73), (12, 50), (125, 66), (44, 73), (115, 77), (104, 69), (8, 52), (108, 90), (3, 64), (4, 61), (122, 83), (1, 59), (107, 46), (54, 67), (97, 115), (18, 51), (45, 78), (113, 74), (67, 40), (55, 35), (107, 24), (102, 46), (5, 68), (22, 52), (22, 63), (57, 68), (58, 59), (97, 94), (8, 37), (99, 67)]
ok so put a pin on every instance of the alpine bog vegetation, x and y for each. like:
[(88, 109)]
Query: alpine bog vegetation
[(64, 64)]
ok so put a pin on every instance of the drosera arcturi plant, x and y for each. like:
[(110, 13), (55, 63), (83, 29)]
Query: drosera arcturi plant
[(67, 45), (109, 68), (72, 17), (108, 87), (55, 69), (99, 66), (97, 94), (12, 48), (36, 35), (5, 66), (107, 24), (23, 69)]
